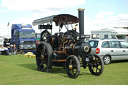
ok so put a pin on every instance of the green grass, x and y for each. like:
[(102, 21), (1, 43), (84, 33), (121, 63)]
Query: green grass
[(20, 70)]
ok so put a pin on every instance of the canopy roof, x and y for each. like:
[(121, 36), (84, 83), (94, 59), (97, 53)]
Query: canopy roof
[(58, 19)]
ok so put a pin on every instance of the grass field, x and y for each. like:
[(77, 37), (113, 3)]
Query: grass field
[(20, 70)]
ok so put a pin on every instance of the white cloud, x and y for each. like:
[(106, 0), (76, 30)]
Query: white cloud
[(3, 11), (40, 5), (45, 14), (112, 21), (102, 20), (40, 8), (106, 20), (23, 20), (103, 14)]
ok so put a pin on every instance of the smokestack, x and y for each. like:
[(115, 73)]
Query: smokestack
[(81, 23)]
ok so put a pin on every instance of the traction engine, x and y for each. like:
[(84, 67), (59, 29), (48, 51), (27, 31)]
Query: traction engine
[(66, 49)]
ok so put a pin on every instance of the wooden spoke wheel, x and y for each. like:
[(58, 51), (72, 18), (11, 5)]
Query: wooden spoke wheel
[(96, 65), (72, 66), (44, 57)]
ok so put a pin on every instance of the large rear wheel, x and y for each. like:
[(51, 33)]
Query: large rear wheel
[(44, 57), (96, 65), (72, 66)]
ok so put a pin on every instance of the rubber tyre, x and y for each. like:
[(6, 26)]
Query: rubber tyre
[(106, 59)]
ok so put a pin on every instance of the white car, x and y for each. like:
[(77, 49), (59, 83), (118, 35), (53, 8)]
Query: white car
[(110, 49)]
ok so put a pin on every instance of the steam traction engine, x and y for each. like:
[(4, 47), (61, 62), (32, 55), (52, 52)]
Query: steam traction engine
[(66, 49)]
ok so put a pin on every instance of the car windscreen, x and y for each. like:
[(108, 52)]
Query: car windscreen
[(93, 43)]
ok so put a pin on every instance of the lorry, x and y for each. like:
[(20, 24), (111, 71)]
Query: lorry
[(23, 36)]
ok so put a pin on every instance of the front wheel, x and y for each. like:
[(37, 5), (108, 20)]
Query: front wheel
[(96, 65), (72, 66)]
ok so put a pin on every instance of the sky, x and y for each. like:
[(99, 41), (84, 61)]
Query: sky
[(98, 14)]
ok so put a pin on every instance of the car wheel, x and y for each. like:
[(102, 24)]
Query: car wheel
[(107, 59)]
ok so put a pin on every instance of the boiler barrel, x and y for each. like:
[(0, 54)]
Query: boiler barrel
[(82, 49)]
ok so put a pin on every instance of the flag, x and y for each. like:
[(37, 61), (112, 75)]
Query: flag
[(8, 24)]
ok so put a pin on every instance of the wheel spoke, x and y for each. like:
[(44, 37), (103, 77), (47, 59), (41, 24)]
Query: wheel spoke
[(98, 68), (74, 71), (45, 34), (39, 50), (39, 57), (70, 62), (45, 53), (41, 63)]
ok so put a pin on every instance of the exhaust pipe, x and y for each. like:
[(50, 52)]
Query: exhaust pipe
[(81, 24)]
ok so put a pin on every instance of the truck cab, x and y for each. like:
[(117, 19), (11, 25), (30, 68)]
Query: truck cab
[(23, 36)]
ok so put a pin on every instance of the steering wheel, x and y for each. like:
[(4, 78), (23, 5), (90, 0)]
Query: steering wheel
[(44, 35)]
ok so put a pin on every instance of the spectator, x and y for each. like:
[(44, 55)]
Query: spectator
[(5, 51), (10, 48), (14, 50), (5, 44)]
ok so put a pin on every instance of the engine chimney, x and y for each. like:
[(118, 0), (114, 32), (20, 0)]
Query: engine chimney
[(81, 24)]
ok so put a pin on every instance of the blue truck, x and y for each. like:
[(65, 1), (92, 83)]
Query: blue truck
[(23, 36)]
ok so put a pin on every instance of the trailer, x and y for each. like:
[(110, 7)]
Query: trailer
[(113, 33)]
